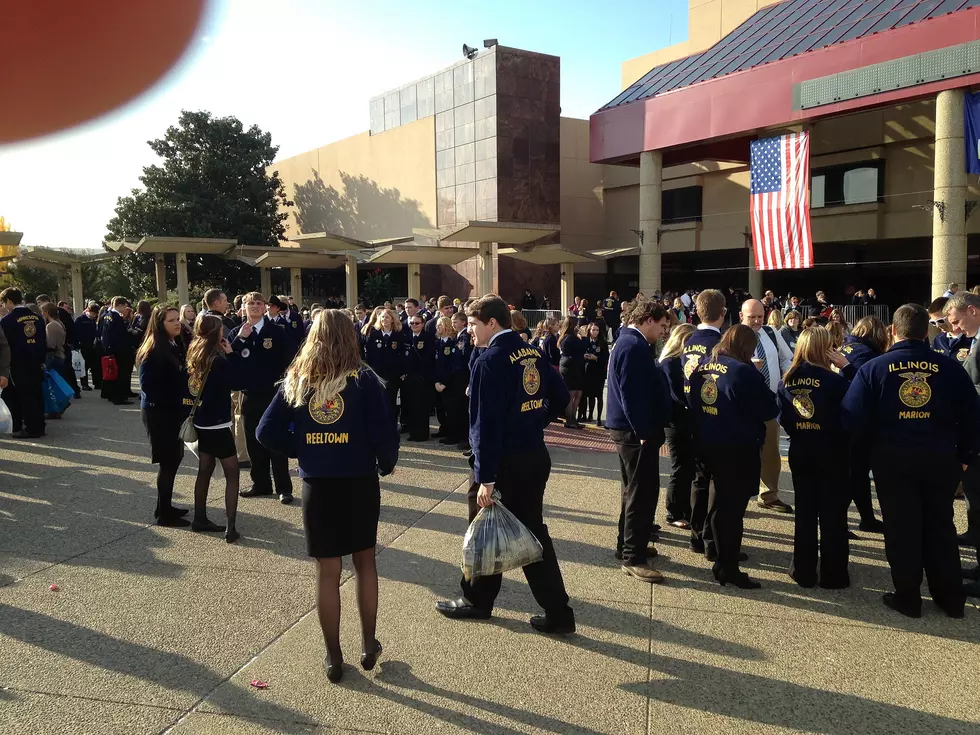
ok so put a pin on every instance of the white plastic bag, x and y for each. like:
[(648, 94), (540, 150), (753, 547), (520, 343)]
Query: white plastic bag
[(78, 364), (6, 420), (497, 542)]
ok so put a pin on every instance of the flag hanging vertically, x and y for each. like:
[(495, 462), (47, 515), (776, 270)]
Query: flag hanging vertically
[(780, 205), (971, 130)]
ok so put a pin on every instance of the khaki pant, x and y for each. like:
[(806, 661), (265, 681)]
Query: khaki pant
[(238, 427), (771, 464)]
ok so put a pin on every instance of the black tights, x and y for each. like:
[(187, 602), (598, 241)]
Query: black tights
[(591, 403), (166, 475), (205, 469), (328, 600)]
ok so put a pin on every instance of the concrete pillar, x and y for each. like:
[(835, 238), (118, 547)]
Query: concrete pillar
[(484, 269), (64, 277), (567, 284), (77, 298), (161, 272), (183, 288), (949, 184), (296, 284), (414, 280), (350, 294), (265, 282), (651, 191), (755, 276)]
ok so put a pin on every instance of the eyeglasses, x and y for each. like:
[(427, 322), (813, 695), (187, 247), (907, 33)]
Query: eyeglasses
[(416, 323), (938, 322)]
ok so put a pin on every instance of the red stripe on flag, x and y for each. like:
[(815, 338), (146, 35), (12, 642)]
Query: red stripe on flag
[(781, 235)]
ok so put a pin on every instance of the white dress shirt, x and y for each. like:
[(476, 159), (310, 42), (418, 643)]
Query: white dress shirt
[(778, 356)]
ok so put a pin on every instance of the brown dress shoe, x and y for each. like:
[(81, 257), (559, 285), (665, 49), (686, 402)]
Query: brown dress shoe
[(644, 574)]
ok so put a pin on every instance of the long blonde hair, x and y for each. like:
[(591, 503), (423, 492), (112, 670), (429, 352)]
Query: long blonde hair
[(379, 318), (445, 323), (678, 338), (775, 319), (208, 331), (329, 356), (369, 322), (813, 347)]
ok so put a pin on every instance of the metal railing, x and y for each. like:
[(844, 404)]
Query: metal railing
[(533, 316), (852, 314)]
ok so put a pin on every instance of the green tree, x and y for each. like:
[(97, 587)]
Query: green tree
[(213, 182), (30, 280)]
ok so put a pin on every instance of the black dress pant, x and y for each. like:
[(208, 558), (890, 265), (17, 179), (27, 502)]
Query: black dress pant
[(916, 500), (521, 481), (458, 406), (701, 491), (821, 502), (683, 468), (416, 406), (639, 467), (93, 363), (860, 466), (392, 384), (24, 397), (253, 406), (735, 473)]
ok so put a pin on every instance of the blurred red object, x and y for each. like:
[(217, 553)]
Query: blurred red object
[(53, 588), (259, 684), (67, 63)]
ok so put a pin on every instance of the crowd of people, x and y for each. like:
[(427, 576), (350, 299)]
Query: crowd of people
[(252, 382)]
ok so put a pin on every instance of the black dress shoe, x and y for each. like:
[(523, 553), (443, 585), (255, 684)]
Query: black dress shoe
[(286, 498), (173, 521), (25, 434), (206, 525), (335, 671), (872, 525), (253, 493), (368, 660), (439, 435), (740, 580), (909, 611), (85, 387), (447, 441), (697, 546), (231, 536), (554, 625), (460, 608)]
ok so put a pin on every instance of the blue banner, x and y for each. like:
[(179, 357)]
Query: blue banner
[(971, 112)]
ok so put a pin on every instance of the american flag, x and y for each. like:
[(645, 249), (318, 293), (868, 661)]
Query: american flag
[(780, 207)]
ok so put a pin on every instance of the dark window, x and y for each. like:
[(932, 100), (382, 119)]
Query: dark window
[(681, 205), (852, 183)]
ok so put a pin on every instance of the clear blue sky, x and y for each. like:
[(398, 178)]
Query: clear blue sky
[(304, 70)]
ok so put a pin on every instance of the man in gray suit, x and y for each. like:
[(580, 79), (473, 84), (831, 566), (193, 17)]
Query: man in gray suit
[(963, 312)]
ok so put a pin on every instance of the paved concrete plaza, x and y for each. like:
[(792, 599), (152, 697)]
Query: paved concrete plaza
[(158, 630)]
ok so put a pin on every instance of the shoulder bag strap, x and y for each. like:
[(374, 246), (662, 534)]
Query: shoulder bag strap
[(200, 394)]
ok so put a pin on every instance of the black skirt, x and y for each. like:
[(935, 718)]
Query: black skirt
[(572, 371), (340, 514), (219, 443), (163, 428)]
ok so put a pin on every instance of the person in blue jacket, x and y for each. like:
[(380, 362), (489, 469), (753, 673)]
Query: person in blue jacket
[(571, 365), (950, 342), (162, 406), (214, 370), (731, 402), (810, 396), (442, 373), (118, 343), (912, 397), (23, 393), (417, 382), (332, 414), (638, 411), (548, 343), (384, 351), (458, 381), (867, 340), (680, 431), (291, 323), (513, 394), (596, 365)]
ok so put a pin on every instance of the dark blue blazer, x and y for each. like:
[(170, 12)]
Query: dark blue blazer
[(162, 382), (115, 335), (85, 332), (857, 350), (697, 349), (228, 373), (549, 346), (25, 335), (385, 353), (637, 397), (731, 403), (810, 407), (445, 352), (461, 358), (265, 355)]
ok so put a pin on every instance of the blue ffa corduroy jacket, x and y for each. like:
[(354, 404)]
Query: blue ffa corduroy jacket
[(573, 347), (162, 381), (637, 397), (295, 332), (420, 355), (25, 334), (115, 335), (514, 394), (385, 353), (228, 373), (731, 403), (85, 331), (464, 351), (596, 369), (810, 406), (443, 366), (352, 435), (912, 397), (266, 355), (549, 347), (697, 349), (956, 347), (857, 350), (673, 370)]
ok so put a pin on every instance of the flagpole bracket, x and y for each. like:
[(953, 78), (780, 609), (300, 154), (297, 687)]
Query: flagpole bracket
[(933, 204), (639, 234), (970, 205)]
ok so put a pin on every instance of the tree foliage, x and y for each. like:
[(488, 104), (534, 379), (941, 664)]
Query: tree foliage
[(212, 182)]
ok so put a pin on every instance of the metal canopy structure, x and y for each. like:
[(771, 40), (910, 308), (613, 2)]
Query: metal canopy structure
[(545, 254), (176, 245), (287, 258), (10, 238), (614, 253), (326, 241), (67, 263), (421, 255), (505, 233)]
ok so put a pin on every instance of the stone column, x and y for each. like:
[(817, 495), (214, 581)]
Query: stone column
[(484, 269), (265, 282), (651, 190), (64, 278), (567, 284), (949, 184), (414, 280), (161, 272), (755, 276), (350, 294), (183, 288), (77, 298), (296, 284)]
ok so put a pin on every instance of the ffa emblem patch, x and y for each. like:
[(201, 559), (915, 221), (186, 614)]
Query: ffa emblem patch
[(420, 345), (394, 345), (915, 391), (30, 329), (962, 354), (709, 391), (379, 343), (330, 412), (194, 385), (295, 324), (267, 343), (532, 378), (690, 366), (460, 345), (803, 404), (245, 352), (447, 351)]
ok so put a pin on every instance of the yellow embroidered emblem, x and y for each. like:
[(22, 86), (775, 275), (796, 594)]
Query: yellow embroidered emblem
[(709, 390), (330, 412), (532, 378), (194, 385), (267, 343), (803, 403), (915, 391), (962, 354), (690, 366), (447, 351), (30, 329)]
